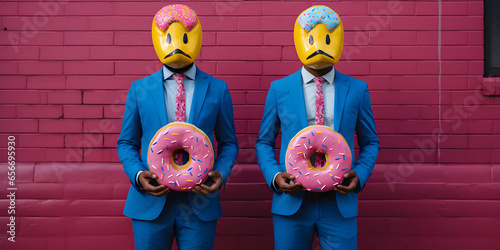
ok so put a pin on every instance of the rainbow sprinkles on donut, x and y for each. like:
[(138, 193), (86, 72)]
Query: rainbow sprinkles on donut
[(180, 136), (318, 139)]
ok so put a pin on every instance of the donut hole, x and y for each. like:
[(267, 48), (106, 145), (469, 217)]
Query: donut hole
[(312, 159), (185, 156)]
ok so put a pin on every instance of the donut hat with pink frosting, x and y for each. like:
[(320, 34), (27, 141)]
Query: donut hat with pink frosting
[(175, 13)]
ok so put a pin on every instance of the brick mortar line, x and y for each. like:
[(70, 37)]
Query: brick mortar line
[(439, 82)]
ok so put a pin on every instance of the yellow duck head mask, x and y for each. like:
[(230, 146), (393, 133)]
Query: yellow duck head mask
[(176, 35), (319, 37)]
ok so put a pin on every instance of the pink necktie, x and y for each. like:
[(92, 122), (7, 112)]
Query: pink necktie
[(180, 109), (180, 99), (319, 116)]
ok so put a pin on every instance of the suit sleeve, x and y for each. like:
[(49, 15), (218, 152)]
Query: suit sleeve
[(129, 141), (266, 142), (225, 134), (368, 142)]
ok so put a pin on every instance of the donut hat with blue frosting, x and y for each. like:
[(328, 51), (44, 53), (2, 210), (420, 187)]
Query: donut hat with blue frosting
[(316, 15)]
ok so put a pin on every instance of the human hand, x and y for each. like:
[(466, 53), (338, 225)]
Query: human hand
[(204, 189), (145, 179), (353, 182), (282, 181)]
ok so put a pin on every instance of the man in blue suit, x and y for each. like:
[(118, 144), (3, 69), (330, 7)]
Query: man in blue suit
[(158, 215), (290, 107)]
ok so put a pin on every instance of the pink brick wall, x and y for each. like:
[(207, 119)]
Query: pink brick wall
[(63, 83), (65, 68)]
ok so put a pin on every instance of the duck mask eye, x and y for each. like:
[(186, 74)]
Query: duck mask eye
[(311, 40), (185, 38), (327, 39), (169, 38)]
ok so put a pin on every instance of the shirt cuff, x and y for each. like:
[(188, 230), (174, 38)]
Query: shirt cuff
[(137, 183), (273, 186)]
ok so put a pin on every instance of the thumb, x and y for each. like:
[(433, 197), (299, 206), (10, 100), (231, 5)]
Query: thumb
[(350, 174), (289, 176), (149, 174)]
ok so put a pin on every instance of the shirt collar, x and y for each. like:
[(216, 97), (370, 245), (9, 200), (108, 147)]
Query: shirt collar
[(190, 73), (308, 77)]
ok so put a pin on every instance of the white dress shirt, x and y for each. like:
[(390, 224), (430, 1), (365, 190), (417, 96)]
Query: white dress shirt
[(309, 88)]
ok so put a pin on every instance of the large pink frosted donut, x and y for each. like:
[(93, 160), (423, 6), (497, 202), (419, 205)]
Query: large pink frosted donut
[(324, 140), (180, 136)]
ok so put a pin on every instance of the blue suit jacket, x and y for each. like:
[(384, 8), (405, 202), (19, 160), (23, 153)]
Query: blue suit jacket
[(285, 109), (145, 113)]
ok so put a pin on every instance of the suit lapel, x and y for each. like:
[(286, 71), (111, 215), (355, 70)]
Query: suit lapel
[(200, 90), (297, 95), (155, 86), (341, 89)]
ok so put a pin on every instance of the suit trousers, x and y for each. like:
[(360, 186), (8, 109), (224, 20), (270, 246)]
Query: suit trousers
[(315, 215), (178, 220)]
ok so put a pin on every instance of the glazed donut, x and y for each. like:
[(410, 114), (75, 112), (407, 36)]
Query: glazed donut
[(177, 136), (324, 140)]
